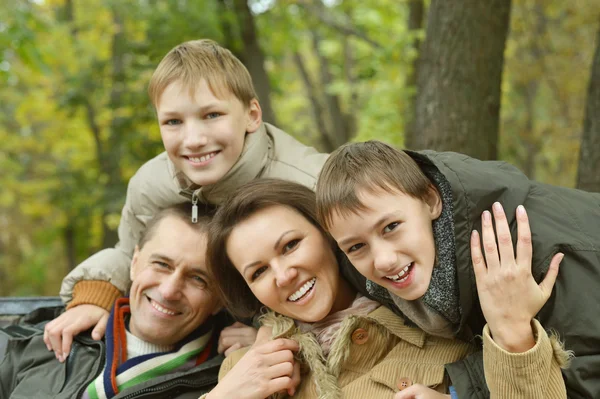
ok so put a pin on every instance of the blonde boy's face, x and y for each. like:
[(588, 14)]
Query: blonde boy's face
[(204, 135), (391, 242)]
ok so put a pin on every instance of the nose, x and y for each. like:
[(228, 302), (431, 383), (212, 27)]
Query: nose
[(171, 287), (284, 275), (385, 258), (195, 134)]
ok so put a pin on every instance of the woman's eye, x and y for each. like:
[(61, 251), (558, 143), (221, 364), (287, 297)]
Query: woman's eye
[(173, 122), (258, 272), (290, 245), (390, 227), (354, 248)]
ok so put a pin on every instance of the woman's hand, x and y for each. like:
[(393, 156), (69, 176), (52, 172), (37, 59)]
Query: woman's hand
[(419, 391), (508, 293), (236, 336), (265, 369), (59, 333)]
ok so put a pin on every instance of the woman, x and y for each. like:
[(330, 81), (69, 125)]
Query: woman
[(266, 248)]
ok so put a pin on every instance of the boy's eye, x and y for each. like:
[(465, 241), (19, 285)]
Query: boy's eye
[(390, 227), (173, 122), (212, 115), (258, 272), (355, 248), (290, 245)]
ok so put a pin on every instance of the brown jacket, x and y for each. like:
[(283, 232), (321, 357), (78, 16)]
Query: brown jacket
[(268, 152), (376, 355)]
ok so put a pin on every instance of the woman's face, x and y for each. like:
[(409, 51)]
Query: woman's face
[(288, 264)]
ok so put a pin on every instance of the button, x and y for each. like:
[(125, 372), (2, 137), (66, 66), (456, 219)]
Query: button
[(404, 383), (360, 336)]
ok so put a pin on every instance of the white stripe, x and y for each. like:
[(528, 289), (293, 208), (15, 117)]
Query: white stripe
[(100, 385), (135, 371)]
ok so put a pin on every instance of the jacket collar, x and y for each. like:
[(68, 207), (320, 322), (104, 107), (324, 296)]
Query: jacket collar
[(252, 161)]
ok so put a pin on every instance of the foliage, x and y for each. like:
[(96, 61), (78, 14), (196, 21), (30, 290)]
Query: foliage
[(74, 127)]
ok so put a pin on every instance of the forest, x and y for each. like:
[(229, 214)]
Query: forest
[(515, 80)]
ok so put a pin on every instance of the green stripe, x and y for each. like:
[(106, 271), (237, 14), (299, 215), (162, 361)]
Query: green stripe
[(160, 369), (91, 390)]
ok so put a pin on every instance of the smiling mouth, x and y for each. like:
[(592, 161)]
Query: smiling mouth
[(161, 308), (203, 158), (402, 276), (303, 291)]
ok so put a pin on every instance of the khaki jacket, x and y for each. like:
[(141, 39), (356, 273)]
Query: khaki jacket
[(378, 355), (269, 152)]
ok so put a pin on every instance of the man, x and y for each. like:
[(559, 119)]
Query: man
[(161, 341)]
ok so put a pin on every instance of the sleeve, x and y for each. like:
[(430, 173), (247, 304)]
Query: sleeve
[(231, 360), (528, 375), (112, 264), (96, 292)]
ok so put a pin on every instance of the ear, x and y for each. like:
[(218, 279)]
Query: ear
[(133, 270), (254, 116), (434, 202)]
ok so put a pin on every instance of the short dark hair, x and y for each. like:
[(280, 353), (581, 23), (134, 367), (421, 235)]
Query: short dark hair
[(182, 212), (246, 201), (370, 165)]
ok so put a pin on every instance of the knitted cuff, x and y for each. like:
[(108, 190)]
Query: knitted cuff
[(95, 292)]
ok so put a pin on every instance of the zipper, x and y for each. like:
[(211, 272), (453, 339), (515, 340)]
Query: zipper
[(195, 207), (170, 384), (99, 367)]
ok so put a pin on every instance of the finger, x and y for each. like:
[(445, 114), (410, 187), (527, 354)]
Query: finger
[(489, 242), (47, 337), (232, 349), (100, 328), (548, 283), (410, 392), (238, 324), (67, 341), (278, 357), (524, 250), (476, 256), (295, 379), (280, 344), (264, 334), (55, 337), (505, 245), (280, 370), (278, 384)]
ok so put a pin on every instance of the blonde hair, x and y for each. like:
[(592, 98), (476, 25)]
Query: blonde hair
[(371, 166), (192, 61)]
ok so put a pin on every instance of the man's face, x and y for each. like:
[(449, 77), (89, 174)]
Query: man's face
[(170, 295), (202, 134), (391, 242)]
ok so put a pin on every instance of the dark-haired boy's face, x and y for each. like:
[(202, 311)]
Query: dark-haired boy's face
[(204, 135), (391, 241)]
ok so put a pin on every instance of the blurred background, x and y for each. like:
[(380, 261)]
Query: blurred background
[(497, 79)]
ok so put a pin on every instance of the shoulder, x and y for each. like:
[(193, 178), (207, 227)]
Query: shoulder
[(292, 160)]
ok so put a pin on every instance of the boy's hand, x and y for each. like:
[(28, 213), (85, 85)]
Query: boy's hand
[(264, 370), (508, 293), (236, 336), (59, 333), (419, 391)]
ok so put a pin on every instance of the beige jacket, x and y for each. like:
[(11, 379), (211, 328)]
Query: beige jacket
[(269, 152), (377, 355)]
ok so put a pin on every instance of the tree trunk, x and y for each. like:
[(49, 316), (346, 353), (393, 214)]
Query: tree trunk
[(459, 77), (416, 10), (588, 174), (254, 58)]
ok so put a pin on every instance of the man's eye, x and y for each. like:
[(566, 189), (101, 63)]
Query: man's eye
[(258, 272), (390, 227), (173, 122), (290, 245), (355, 248), (162, 264), (199, 280)]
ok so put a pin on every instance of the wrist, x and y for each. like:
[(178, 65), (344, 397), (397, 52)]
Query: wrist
[(514, 338)]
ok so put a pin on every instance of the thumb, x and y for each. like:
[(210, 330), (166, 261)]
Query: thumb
[(264, 334), (548, 283), (100, 328)]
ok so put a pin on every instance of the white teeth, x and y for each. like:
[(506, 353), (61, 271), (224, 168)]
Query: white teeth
[(161, 309), (403, 275), (303, 290), (203, 157)]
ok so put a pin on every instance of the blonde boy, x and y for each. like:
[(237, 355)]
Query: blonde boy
[(409, 221), (211, 126)]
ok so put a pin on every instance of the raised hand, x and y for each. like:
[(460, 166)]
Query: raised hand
[(236, 336), (508, 293), (265, 369), (59, 333), (419, 391)]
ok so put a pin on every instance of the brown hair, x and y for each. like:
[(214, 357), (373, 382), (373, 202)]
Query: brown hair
[(246, 201), (182, 212), (192, 61), (371, 165)]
